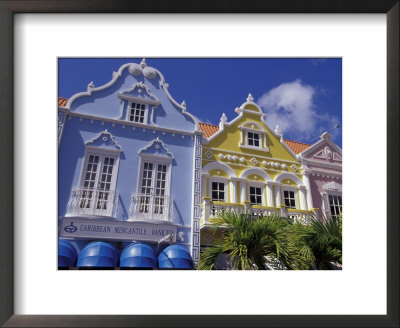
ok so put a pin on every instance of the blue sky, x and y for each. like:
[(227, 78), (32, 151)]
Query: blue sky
[(303, 96)]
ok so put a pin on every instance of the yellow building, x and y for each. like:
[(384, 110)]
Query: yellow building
[(248, 168)]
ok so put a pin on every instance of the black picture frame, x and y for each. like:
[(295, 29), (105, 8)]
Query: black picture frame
[(10, 7)]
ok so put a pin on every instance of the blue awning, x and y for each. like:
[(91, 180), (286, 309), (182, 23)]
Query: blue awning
[(98, 254), (66, 254), (138, 255), (175, 257)]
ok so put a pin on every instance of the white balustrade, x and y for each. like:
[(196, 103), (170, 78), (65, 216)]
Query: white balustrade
[(95, 202), (151, 208)]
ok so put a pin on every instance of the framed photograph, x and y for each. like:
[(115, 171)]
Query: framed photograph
[(37, 38)]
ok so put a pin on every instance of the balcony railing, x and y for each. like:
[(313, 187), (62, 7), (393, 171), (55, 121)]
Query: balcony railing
[(151, 208), (211, 209), (93, 202), (218, 207)]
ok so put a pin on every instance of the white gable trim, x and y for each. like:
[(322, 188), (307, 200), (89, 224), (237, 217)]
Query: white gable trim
[(253, 170), (290, 176), (320, 143), (218, 166)]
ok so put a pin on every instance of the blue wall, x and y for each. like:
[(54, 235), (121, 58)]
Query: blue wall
[(71, 153), (90, 112)]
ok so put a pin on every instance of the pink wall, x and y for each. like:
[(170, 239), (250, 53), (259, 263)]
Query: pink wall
[(325, 153)]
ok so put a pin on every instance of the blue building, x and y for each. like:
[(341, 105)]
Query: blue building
[(128, 175)]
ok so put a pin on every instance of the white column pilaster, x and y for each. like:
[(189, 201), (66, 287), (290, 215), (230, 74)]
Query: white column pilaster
[(278, 199), (302, 195), (204, 185), (306, 180), (270, 194), (242, 191), (232, 186)]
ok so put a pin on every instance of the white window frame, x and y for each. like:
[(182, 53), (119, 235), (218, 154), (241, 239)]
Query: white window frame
[(260, 142), (146, 111), (219, 180), (155, 160), (257, 185), (334, 195), (262, 134), (296, 196), (102, 153)]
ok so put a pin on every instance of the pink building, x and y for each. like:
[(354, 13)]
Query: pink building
[(322, 164)]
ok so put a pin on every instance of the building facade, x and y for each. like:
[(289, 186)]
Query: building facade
[(129, 175), (248, 168), (322, 165)]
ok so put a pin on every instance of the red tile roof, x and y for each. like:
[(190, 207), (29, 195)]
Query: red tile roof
[(295, 146), (62, 101), (209, 129)]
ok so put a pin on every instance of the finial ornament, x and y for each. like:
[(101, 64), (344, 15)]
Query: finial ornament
[(183, 104), (91, 85), (250, 97), (143, 63), (326, 136), (278, 130), (223, 118)]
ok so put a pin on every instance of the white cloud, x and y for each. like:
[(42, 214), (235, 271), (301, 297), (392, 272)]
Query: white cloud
[(291, 105)]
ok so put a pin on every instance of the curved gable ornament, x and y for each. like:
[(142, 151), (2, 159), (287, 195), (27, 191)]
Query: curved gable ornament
[(104, 140), (283, 176), (219, 166), (250, 171), (252, 126), (139, 92), (156, 148), (136, 70)]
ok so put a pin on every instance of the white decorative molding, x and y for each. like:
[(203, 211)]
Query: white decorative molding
[(332, 186), (156, 148), (291, 176), (209, 154), (257, 171), (278, 131), (294, 167), (240, 154), (139, 87), (337, 157), (219, 166), (254, 161), (134, 69), (104, 140), (222, 121), (149, 73), (328, 152), (221, 156), (196, 212)]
